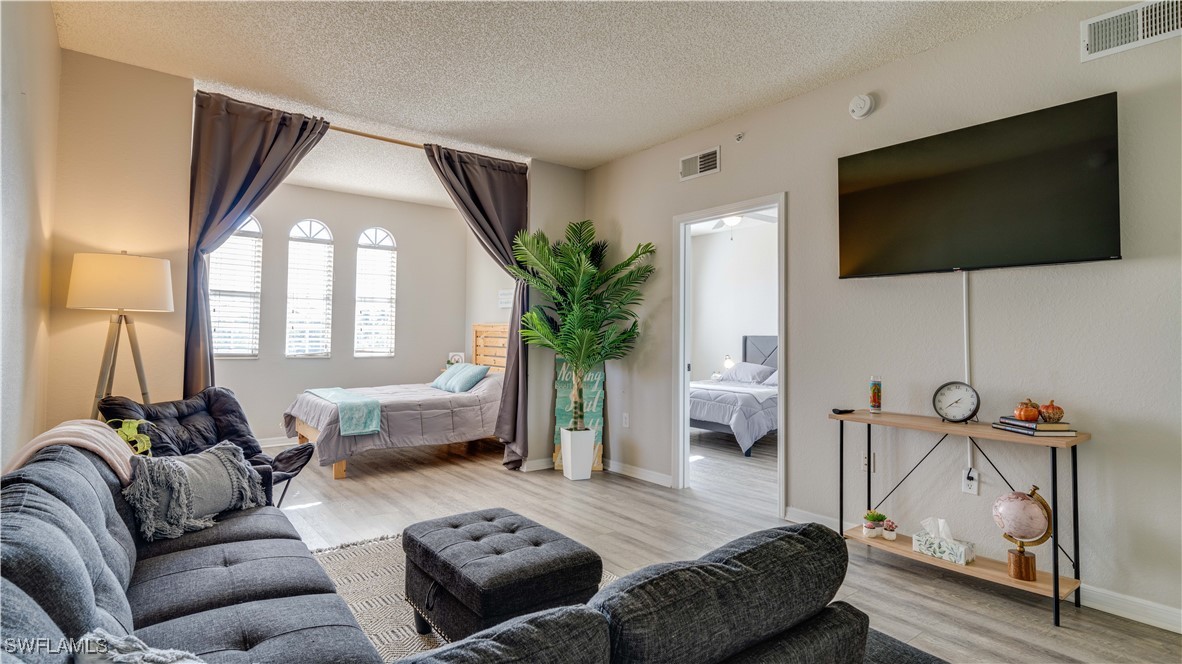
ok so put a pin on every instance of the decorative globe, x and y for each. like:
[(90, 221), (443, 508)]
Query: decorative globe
[(1019, 516)]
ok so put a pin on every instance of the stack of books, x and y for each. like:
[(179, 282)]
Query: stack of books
[(1034, 428)]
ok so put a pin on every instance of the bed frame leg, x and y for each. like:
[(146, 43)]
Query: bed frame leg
[(302, 438), (748, 452), (338, 470)]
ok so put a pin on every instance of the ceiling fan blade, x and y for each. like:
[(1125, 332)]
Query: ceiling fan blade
[(717, 225)]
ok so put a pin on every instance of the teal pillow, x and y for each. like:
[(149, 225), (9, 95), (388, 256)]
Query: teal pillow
[(466, 378), (441, 382)]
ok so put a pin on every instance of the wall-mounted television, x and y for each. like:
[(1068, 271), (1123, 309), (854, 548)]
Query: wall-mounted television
[(1033, 189)]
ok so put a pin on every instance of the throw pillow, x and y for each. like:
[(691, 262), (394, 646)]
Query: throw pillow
[(466, 378), (441, 382), (99, 647), (747, 372), (773, 380), (175, 495)]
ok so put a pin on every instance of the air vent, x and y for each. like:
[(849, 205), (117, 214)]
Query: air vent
[(1129, 28), (703, 163)]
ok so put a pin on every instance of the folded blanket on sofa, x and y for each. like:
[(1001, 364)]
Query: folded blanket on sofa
[(90, 435), (359, 415)]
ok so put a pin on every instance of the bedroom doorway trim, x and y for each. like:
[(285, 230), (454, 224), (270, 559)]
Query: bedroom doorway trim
[(682, 335)]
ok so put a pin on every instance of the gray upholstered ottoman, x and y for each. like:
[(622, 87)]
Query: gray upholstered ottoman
[(468, 572)]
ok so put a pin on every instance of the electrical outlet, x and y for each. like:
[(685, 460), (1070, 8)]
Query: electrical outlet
[(968, 481), (625, 422)]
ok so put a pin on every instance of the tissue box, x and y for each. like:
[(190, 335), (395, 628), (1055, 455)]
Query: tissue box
[(954, 551)]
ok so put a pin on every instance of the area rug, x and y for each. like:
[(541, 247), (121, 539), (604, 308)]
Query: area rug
[(370, 576)]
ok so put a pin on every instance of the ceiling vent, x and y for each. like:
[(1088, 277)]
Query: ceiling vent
[(703, 163), (1129, 28)]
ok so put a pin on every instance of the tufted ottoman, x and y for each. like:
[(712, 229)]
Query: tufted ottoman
[(471, 571)]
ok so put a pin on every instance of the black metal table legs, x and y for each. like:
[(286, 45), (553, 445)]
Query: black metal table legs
[(1055, 532), (1075, 522), (841, 477)]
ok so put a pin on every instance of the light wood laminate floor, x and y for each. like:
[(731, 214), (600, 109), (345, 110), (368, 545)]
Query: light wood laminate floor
[(633, 523)]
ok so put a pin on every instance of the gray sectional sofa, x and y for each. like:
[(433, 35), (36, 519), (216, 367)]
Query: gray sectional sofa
[(245, 590)]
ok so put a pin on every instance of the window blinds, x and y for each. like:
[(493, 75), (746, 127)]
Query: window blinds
[(309, 298), (235, 288), (377, 280)]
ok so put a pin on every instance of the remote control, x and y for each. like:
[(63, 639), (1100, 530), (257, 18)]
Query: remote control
[(842, 411)]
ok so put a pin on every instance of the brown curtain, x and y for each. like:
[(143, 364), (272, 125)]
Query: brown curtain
[(493, 197), (241, 152)]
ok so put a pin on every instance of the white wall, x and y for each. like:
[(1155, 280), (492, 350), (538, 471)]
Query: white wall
[(430, 306), (485, 279), (556, 198), (122, 184), (31, 67), (1102, 339), (732, 293)]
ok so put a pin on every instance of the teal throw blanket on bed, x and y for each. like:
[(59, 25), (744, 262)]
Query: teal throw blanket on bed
[(359, 415)]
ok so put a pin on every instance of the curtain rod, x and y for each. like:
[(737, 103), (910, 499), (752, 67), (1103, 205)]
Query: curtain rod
[(376, 137)]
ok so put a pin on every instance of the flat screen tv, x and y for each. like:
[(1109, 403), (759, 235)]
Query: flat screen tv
[(1033, 189)]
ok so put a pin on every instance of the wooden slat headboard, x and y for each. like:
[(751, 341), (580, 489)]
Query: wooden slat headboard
[(490, 343)]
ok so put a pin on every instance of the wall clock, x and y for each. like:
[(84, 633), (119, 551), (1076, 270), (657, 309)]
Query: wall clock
[(956, 401)]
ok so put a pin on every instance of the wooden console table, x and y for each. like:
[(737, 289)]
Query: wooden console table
[(1057, 587)]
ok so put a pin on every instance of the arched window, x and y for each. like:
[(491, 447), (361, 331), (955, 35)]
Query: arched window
[(235, 291), (377, 280), (309, 290)]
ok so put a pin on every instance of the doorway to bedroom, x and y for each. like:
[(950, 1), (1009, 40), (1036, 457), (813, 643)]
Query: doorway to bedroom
[(729, 333)]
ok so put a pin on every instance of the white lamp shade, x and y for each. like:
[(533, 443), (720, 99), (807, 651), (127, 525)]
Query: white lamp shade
[(728, 363), (120, 281)]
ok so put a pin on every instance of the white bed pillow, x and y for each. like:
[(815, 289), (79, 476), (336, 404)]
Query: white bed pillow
[(747, 372), (773, 380)]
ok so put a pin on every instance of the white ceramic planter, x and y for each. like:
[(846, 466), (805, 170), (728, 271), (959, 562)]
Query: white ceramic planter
[(888, 535), (869, 532), (578, 454)]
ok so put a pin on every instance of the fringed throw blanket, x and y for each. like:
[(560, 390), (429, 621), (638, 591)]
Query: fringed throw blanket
[(100, 647), (175, 495)]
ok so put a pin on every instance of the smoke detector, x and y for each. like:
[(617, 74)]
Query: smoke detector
[(861, 106)]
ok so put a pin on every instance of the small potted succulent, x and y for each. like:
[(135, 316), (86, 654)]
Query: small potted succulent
[(888, 530), (872, 522)]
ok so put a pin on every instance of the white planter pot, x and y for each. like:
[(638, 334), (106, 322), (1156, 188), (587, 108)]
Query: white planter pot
[(869, 532), (578, 454), (888, 535)]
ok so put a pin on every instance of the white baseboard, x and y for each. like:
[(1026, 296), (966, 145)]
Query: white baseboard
[(1133, 608), (277, 441), (611, 465), (800, 516), (531, 465)]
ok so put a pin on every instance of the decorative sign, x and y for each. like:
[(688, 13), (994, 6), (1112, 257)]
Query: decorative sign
[(592, 408), (455, 357), (505, 298)]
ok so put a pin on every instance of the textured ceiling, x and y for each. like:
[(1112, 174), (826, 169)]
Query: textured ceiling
[(577, 84)]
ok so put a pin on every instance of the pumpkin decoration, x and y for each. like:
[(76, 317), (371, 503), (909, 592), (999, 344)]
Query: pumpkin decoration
[(1051, 412), (1027, 411)]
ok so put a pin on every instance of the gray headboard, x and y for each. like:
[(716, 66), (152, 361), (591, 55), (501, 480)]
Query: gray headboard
[(761, 350)]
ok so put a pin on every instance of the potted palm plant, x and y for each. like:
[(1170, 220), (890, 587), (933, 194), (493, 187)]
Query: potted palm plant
[(588, 318)]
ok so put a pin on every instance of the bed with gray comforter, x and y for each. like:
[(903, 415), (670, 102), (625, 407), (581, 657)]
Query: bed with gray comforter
[(748, 410), (411, 415)]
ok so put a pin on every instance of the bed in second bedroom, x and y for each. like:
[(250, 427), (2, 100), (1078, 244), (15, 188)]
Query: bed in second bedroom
[(743, 402), (460, 406)]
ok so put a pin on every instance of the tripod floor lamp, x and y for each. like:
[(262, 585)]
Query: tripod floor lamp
[(119, 283)]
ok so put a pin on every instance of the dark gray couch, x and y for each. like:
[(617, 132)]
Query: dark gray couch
[(246, 590), (765, 597)]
